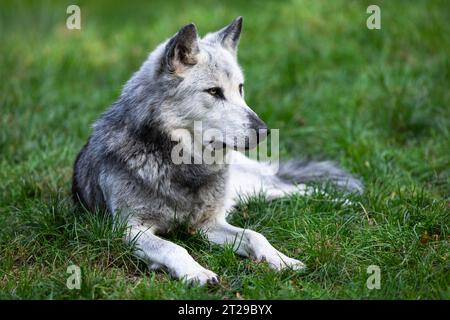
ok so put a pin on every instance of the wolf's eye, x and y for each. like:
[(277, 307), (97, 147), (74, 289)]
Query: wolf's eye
[(216, 92), (241, 88)]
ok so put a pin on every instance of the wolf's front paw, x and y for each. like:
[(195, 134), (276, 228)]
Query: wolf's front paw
[(200, 276), (279, 261)]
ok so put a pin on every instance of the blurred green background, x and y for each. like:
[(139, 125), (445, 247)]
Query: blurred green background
[(377, 101)]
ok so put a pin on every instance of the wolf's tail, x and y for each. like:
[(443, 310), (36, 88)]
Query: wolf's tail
[(319, 172)]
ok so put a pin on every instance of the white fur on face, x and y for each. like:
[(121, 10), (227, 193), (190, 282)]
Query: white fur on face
[(216, 67)]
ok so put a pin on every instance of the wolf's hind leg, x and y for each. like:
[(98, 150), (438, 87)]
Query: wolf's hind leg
[(250, 244), (158, 252), (282, 190)]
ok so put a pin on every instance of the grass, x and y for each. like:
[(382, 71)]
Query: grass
[(377, 101)]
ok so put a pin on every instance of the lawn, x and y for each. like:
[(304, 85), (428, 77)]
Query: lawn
[(377, 101)]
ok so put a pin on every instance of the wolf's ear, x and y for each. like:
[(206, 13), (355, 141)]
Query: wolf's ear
[(182, 49), (228, 36)]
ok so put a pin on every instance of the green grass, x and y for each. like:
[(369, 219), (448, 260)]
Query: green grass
[(377, 101)]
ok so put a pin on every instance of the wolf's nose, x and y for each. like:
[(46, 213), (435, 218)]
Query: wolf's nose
[(259, 126), (256, 123)]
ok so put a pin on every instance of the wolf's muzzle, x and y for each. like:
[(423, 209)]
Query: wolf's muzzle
[(259, 126)]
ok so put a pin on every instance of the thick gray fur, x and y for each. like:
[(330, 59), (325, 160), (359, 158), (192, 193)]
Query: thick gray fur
[(307, 171), (126, 166)]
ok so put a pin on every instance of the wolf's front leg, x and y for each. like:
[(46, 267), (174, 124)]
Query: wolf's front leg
[(158, 253), (251, 244)]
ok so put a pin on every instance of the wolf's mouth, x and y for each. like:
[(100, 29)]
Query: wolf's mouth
[(217, 144), (248, 144)]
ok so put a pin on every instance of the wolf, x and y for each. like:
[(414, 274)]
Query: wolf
[(126, 168)]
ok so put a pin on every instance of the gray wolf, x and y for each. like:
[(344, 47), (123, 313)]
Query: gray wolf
[(126, 167)]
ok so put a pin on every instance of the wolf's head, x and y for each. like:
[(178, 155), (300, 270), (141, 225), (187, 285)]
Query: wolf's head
[(199, 80)]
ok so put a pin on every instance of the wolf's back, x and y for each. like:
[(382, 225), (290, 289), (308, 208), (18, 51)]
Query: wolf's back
[(85, 187)]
